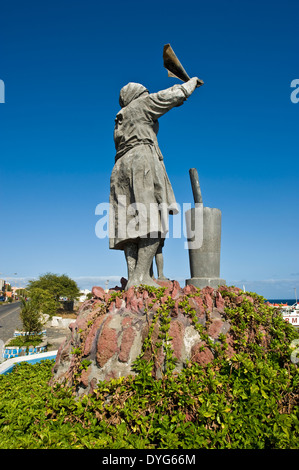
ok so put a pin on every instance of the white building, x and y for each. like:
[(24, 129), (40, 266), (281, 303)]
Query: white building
[(83, 295)]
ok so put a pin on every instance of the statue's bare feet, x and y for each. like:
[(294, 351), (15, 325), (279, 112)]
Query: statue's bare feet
[(147, 281), (163, 278)]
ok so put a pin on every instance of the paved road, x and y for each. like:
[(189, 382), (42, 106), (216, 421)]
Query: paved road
[(9, 320)]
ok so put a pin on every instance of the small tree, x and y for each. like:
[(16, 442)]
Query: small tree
[(43, 301), (58, 286), (30, 317)]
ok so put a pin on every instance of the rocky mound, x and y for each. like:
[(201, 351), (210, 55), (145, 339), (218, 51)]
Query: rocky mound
[(170, 326)]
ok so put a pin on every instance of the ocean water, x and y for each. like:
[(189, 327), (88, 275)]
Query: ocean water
[(282, 301)]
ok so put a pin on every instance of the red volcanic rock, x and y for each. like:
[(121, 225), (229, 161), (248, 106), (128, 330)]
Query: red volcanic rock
[(84, 377), (208, 290), (126, 344), (230, 343), (107, 346), (129, 295), (175, 310), (118, 302), (196, 303), (127, 321), (176, 285), (79, 324), (110, 333), (145, 295), (86, 305), (236, 290), (209, 302), (133, 305), (220, 303), (174, 293), (190, 288), (214, 329), (201, 355), (176, 290), (98, 292), (164, 299), (176, 331), (208, 296), (92, 333), (164, 283)]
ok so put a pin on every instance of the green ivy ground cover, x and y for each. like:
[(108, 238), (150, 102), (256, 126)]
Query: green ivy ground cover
[(249, 401)]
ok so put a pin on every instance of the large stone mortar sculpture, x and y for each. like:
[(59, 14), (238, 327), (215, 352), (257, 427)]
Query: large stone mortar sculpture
[(110, 331), (204, 260)]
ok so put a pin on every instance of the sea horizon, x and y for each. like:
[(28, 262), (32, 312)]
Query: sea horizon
[(282, 301)]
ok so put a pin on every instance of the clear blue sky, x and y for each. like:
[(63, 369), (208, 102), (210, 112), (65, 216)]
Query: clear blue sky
[(63, 64)]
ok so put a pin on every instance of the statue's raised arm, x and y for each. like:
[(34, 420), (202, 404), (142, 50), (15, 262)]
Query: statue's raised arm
[(163, 101)]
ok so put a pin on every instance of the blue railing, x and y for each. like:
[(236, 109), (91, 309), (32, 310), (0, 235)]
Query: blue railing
[(7, 366)]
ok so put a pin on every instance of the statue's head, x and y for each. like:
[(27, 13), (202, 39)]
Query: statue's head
[(130, 92)]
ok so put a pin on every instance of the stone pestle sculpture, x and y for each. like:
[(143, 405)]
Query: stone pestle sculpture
[(205, 259)]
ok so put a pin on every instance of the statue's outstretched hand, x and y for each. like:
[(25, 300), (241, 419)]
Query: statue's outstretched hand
[(192, 84), (199, 82)]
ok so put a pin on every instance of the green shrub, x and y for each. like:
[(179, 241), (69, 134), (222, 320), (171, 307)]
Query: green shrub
[(25, 341), (247, 401), (43, 301), (30, 317)]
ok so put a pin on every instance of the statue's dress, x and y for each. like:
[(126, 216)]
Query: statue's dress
[(139, 176)]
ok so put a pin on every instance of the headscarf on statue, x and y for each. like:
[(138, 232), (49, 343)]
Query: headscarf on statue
[(130, 92)]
